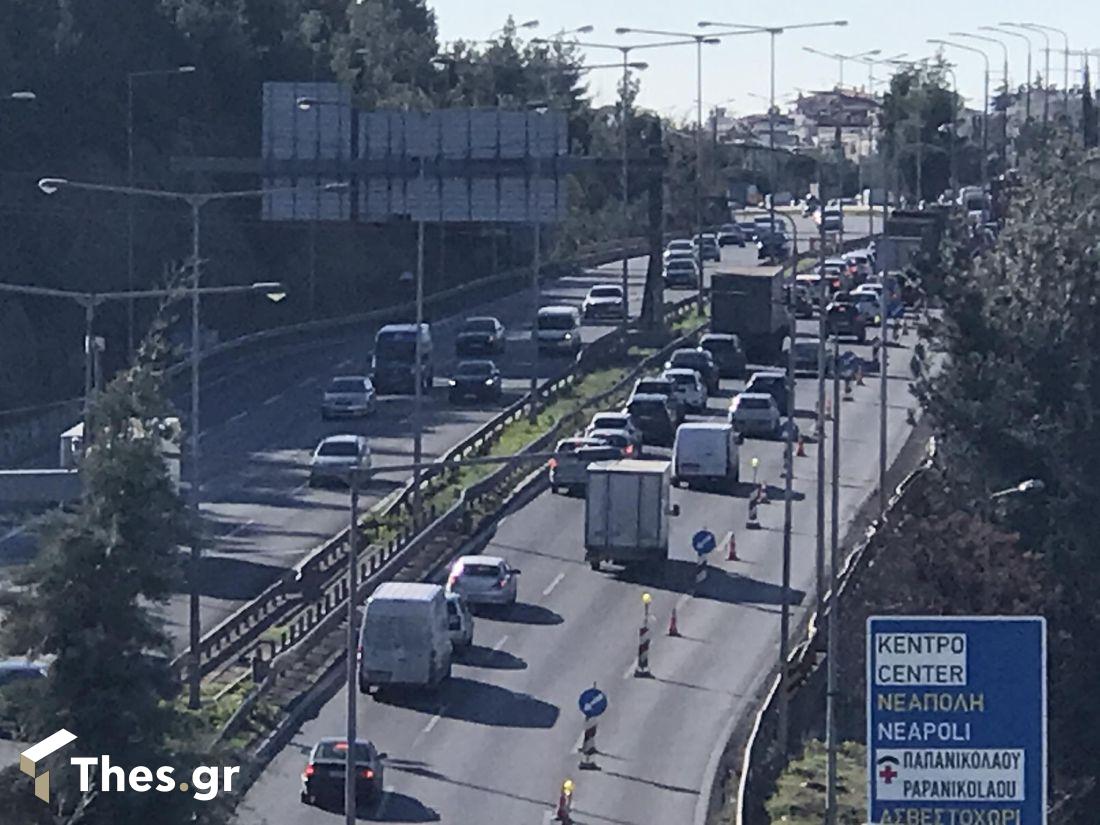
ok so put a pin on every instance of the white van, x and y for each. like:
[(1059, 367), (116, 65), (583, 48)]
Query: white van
[(404, 638), (706, 452), (559, 330)]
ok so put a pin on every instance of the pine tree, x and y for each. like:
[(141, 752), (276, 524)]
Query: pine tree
[(1088, 113)]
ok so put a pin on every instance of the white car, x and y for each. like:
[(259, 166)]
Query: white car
[(483, 580), (688, 387), (623, 440), (868, 305), (603, 301), (348, 395), (681, 248), (616, 421), (755, 413), (460, 622), (335, 457)]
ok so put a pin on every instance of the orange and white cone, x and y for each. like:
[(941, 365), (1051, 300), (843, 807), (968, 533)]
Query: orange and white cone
[(731, 549)]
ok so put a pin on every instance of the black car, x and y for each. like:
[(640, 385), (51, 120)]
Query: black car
[(727, 353), (699, 360), (480, 336), (844, 318), (773, 384), (771, 245), (323, 777), (748, 229), (479, 380), (654, 416)]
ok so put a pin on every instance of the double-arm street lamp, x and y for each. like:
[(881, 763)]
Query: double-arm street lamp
[(1004, 68), (985, 99), (130, 78), (90, 300), (196, 201), (624, 137), (1039, 27), (841, 59), (772, 32), (1024, 27)]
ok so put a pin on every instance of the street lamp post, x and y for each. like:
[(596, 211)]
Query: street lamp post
[(196, 201), (872, 144), (130, 78), (624, 137), (1027, 40), (1039, 27), (1004, 69), (1046, 61), (985, 104), (842, 58)]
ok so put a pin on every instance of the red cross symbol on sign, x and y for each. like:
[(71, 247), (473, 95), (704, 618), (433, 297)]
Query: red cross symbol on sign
[(888, 773)]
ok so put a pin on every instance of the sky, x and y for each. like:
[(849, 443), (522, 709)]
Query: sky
[(737, 69)]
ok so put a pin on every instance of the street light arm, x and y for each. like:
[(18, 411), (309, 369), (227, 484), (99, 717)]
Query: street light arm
[(196, 199)]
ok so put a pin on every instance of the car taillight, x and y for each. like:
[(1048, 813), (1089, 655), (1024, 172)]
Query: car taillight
[(553, 463), (503, 580), (367, 773), (628, 449), (452, 580), (308, 771)]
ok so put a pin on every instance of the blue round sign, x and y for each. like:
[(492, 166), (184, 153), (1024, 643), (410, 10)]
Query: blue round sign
[(704, 542), (593, 702)]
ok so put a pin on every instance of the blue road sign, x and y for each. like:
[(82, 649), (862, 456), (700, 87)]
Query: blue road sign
[(956, 720), (593, 702), (704, 542)]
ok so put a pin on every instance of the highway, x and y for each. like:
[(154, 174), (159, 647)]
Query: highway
[(496, 742)]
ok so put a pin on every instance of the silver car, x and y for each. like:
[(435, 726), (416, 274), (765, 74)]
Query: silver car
[(483, 580), (688, 387), (348, 395), (336, 456), (569, 466), (616, 421), (754, 413)]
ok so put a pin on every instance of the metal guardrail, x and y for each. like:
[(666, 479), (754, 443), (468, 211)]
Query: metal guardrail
[(309, 592)]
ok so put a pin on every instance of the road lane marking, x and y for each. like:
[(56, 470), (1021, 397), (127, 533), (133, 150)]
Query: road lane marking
[(500, 643), (434, 720), (240, 527), (550, 587), (309, 381), (273, 399), (238, 417)]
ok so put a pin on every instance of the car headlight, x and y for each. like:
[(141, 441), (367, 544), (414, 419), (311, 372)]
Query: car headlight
[(568, 336), (452, 383)]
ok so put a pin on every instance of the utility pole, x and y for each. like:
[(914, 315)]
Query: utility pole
[(819, 560), (418, 390), (834, 618), (350, 768)]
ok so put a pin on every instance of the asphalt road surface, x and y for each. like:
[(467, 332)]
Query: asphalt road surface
[(263, 421), (496, 741)]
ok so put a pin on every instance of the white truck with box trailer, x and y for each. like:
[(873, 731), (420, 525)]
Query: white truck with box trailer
[(626, 513), (404, 639)]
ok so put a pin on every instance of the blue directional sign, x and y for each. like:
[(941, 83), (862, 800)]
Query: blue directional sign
[(593, 702), (956, 720), (704, 542)]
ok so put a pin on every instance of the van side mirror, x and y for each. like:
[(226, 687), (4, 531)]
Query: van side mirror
[(674, 510)]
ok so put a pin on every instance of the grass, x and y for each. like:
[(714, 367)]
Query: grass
[(213, 716), (799, 797)]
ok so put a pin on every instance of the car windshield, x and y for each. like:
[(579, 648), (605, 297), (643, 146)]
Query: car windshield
[(475, 369), (339, 448), (338, 752), (479, 325), (753, 403), (556, 321), (346, 385), (606, 292), (481, 571), (396, 346)]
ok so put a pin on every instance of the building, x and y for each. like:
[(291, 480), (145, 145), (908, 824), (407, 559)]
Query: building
[(818, 115)]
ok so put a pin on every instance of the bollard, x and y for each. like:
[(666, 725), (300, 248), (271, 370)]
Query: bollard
[(565, 803), (848, 389), (751, 522), (642, 669), (673, 627), (731, 549), (801, 452), (588, 746)]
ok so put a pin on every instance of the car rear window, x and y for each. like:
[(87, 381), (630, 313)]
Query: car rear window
[(476, 369), (653, 386), (753, 404), (338, 752), (683, 380), (718, 345), (681, 263), (481, 570), (339, 448), (610, 421), (648, 408), (347, 386), (557, 321), (479, 325), (607, 292)]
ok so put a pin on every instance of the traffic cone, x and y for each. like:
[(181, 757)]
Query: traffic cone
[(847, 389), (565, 803), (801, 452), (859, 376), (731, 553), (751, 522), (673, 630)]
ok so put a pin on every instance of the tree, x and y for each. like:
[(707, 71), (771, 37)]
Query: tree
[(918, 103), (1088, 113), (1016, 399), (89, 600)]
